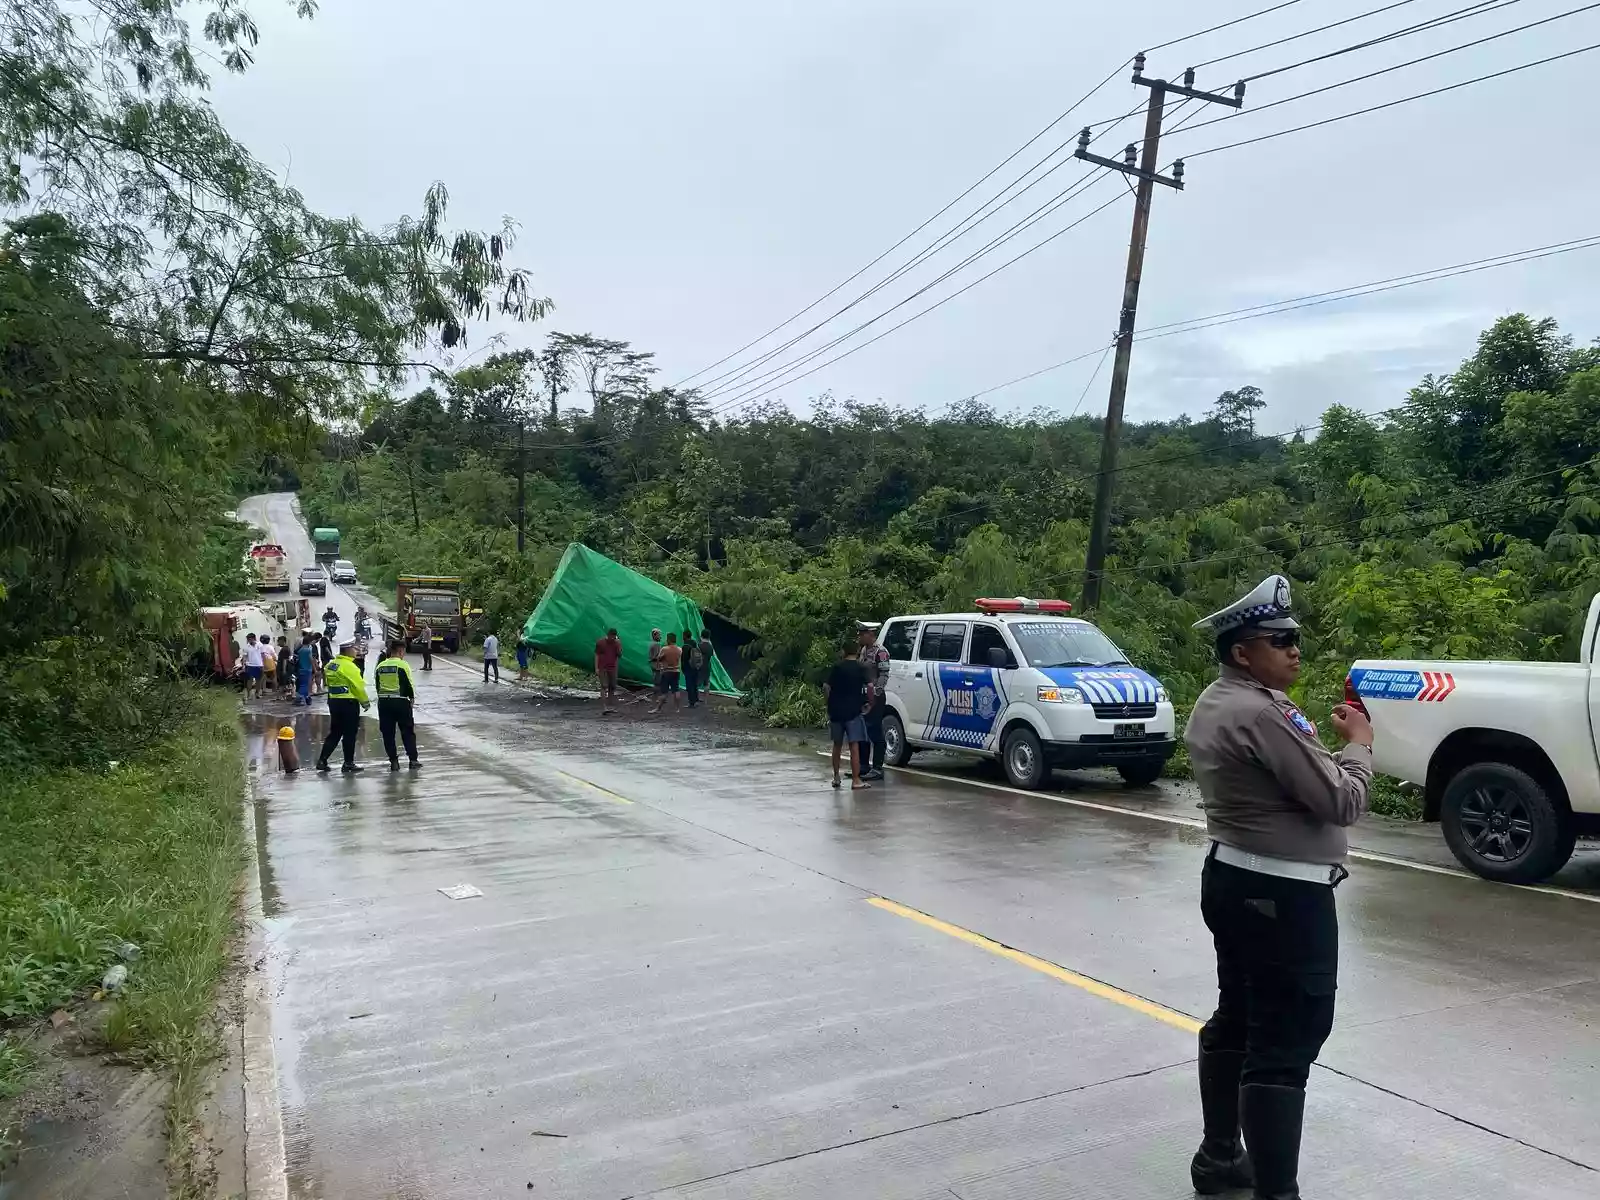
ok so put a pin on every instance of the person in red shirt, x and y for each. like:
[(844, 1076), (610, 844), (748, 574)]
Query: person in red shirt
[(607, 654)]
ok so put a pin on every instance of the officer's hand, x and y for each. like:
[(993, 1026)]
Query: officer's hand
[(1351, 725)]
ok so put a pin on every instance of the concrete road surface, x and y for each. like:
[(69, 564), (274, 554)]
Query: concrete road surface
[(696, 971)]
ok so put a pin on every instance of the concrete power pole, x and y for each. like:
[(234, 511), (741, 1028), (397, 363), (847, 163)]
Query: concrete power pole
[(1143, 167)]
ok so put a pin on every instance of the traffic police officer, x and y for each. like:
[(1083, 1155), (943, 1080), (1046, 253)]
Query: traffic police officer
[(874, 661), (1277, 805), (397, 688), (347, 696)]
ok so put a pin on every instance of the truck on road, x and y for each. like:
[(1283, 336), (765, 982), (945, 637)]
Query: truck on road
[(433, 601), (326, 541), (226, 626), (268, 566), (1506, 754)]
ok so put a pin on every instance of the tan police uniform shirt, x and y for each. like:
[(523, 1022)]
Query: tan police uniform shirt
[(1270, 787)]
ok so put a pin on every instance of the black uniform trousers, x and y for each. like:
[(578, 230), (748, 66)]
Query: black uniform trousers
[(427, 655), (394, 712), (1277, 946), (873, 719), (344, 720)]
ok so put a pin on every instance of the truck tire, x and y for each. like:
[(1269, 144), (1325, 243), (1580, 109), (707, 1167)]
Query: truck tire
[(1502, 824), (1142, 773), (896, 750), (1022, 756)]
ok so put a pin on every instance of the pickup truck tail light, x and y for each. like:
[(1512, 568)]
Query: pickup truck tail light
[(1352, 699)]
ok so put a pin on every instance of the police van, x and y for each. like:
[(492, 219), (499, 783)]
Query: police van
[(1022, 682)]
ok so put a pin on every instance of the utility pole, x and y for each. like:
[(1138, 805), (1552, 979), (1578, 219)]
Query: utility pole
[(1143, 167), (522, 479)]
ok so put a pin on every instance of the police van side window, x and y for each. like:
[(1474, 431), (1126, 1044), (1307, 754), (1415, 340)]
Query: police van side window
[(942, 643), (900, 640), (984, 639)]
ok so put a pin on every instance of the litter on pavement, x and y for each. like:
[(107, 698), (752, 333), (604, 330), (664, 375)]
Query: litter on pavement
[(461, 891)]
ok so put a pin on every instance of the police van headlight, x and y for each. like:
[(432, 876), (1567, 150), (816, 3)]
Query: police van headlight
[(1161, 694), (1051, 694)]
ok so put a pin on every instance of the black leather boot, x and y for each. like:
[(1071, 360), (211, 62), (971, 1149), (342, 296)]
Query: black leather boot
[(1272, 1116), (1221, 1164)]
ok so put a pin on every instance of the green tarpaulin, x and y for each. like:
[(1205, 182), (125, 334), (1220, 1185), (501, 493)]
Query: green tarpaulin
[(590, 593)]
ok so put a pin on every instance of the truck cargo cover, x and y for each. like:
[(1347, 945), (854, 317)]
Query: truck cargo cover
[(590, 593)]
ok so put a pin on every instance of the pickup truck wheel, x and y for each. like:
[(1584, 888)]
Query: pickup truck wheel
[(1023, 758), (896, 750), (1501, 824)]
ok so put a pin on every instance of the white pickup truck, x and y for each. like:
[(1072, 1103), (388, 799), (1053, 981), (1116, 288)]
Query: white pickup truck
[(1504, 752)]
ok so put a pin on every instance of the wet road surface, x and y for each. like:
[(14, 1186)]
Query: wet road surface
[(697, 971)]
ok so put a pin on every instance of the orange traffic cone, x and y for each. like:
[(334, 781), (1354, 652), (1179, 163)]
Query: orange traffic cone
[(288, 755)]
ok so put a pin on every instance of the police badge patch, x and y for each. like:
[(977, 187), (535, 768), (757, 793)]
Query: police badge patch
[(1300, 721)]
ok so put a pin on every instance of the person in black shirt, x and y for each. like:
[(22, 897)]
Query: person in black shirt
[(846, 693)]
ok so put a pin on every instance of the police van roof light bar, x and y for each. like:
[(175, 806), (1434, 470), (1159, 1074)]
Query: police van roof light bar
[(1021, 604)]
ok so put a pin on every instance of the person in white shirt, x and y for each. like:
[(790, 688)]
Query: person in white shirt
[(253, 659), (491, 657)]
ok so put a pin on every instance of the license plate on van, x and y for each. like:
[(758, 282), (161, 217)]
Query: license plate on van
[(1128, 731)]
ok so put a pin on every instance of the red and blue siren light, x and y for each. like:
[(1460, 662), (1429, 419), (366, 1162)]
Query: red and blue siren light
[(1021, 604)]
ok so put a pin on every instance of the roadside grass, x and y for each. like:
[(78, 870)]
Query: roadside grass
[(147, 853), (558, 674)]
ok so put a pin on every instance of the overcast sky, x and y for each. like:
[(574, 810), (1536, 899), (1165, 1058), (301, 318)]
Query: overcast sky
[(688, 175)]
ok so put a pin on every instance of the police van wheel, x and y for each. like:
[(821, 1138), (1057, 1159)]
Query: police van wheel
[(1502, 824), (896, 750), (1023, 758), (1141, 774)]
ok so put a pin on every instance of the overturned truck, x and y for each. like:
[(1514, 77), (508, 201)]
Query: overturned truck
[(590, 593)]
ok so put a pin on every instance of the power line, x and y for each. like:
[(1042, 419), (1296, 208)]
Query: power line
[(1229, 316), (747, 399), (1044, 210), (1400, 66), (1354, 291), (1104, 354), (1483, 8), (1361, 112), (729, 380), (1294, 37), (1115, 71), (1225, 25), (1352, 294)]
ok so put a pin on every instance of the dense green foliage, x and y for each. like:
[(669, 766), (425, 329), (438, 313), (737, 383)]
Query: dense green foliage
[(148, 854), (175, 324), (1460, 523), (176, 327)]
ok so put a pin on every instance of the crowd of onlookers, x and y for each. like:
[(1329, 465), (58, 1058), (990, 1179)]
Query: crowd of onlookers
[(680, 666), (678, 669), (284, 672)]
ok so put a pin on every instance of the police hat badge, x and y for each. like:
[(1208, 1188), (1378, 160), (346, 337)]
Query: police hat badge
[(1267, 606)]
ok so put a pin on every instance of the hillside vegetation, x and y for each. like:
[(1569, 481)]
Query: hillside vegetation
[(1460, 523)]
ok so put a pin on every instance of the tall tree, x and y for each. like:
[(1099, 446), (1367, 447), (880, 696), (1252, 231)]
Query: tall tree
[(207, 260)]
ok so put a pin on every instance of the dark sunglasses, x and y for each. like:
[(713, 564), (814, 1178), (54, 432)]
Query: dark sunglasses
[(1283, 639)]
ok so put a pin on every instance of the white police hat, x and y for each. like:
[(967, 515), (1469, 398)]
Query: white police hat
[(1265, 607), (868, 626)]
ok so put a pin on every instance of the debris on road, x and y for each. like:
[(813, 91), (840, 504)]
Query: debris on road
[(461, 891)]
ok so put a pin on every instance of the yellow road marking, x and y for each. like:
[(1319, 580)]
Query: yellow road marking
[(1094, 987), (604, 791)]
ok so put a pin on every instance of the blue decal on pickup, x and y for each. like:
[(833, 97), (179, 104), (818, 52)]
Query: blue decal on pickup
[(1386, 685)]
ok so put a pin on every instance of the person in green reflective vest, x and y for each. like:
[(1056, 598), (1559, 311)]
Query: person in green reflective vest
[(347, 696), (397, 688)]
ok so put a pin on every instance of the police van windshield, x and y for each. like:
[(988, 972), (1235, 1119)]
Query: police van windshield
[(1065, 644)]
